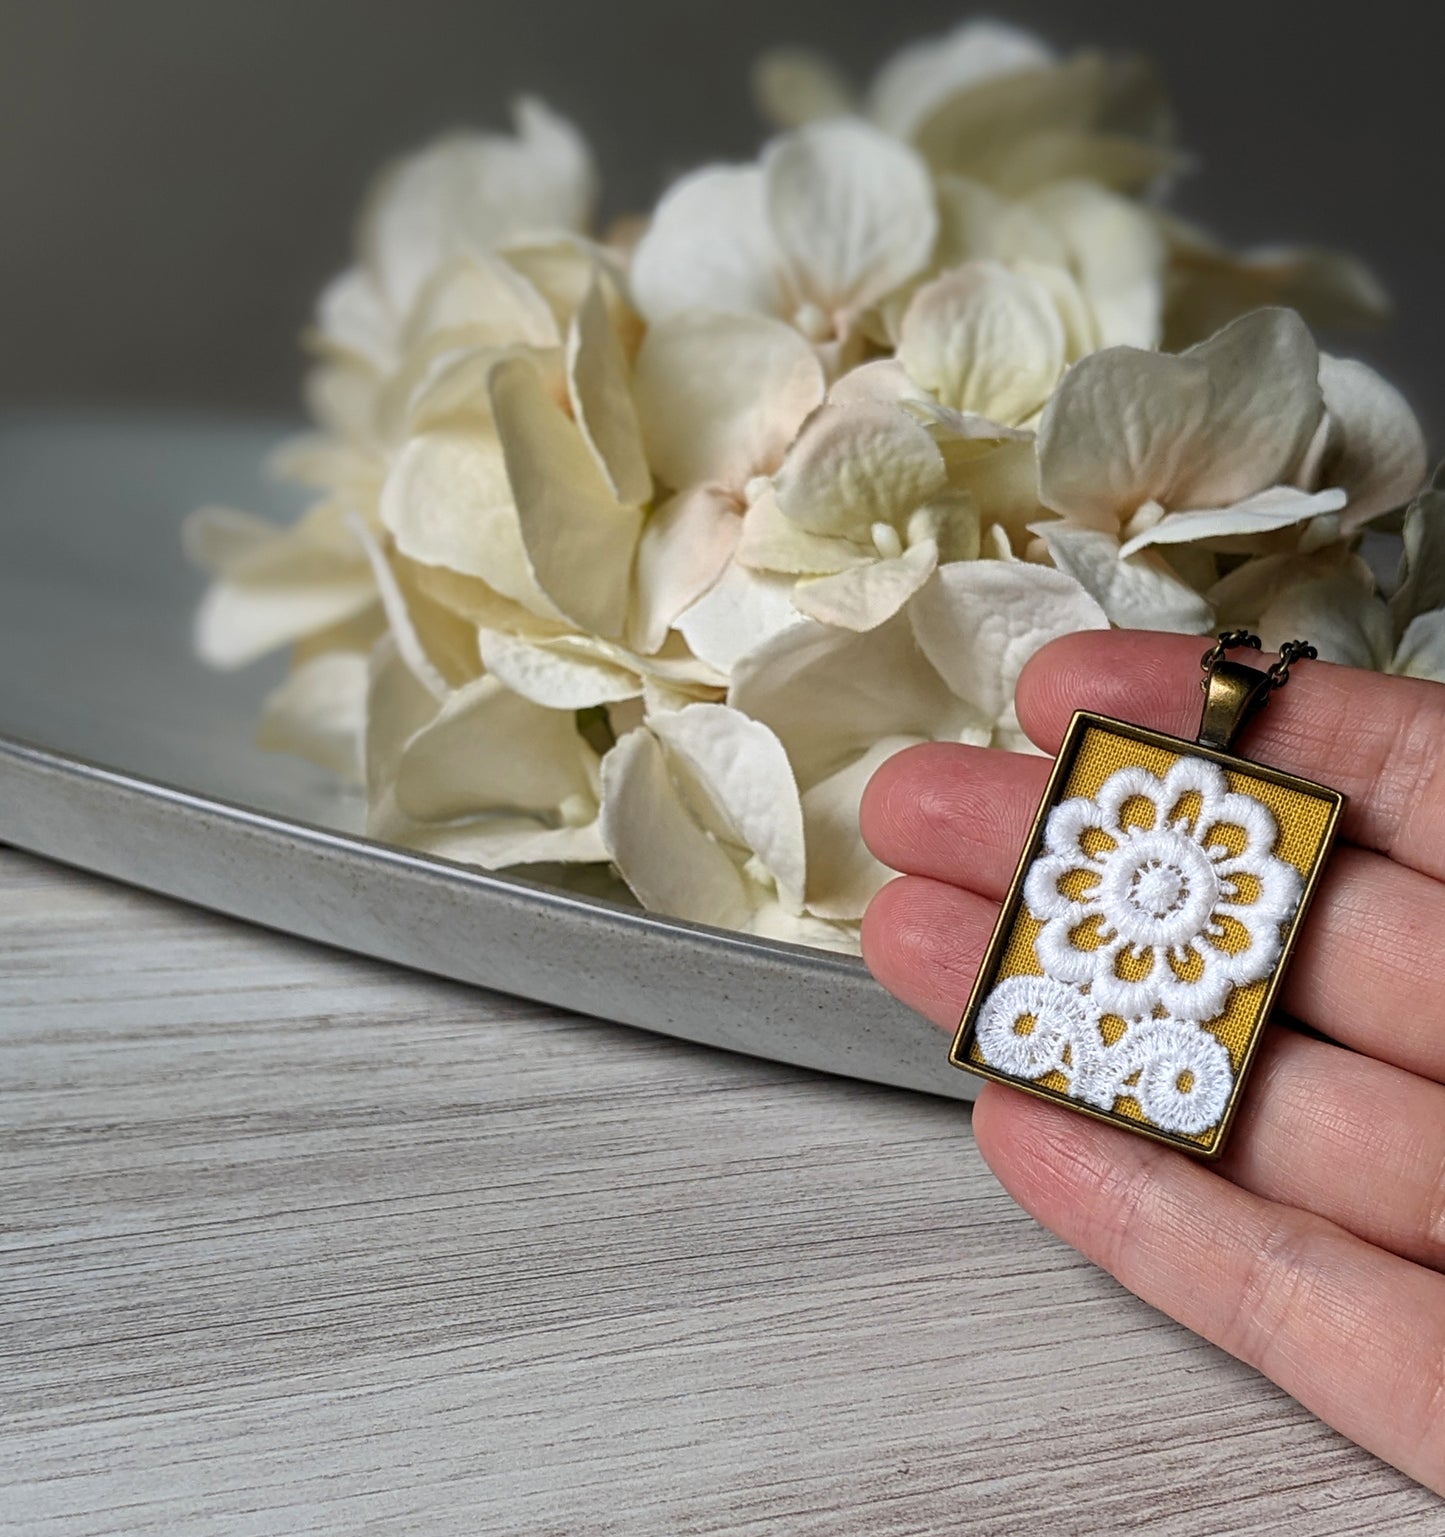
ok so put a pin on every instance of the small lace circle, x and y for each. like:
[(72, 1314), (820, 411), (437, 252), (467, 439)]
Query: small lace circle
[(1027, 1023), (1185, 1075)]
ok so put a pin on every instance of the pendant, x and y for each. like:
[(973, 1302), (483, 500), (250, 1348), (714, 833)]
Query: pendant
[(1149, 922)]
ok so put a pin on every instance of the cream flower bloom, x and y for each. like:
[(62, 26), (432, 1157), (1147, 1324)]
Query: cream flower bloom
[(1161, 892), (1109, 246), (529, 489), (1141, 452), (463, 766), (274, 584), (653, 551), (942, 669), (397, 333), (720, 398), (834, 218), (1351, 624), (989, 341), (464, 195), (479, 775), (994, 102), (847, 515), (701, 815), (456, 763), (1368, 442), (319, 713), (917, 462), (1209, 285), (1332, 599)]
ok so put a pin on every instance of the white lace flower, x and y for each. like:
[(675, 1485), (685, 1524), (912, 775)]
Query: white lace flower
[(1030, 1026), (1161, 893), (1179, 1074)]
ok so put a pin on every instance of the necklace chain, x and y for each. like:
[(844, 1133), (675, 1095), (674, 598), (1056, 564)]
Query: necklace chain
[(1234, 640)]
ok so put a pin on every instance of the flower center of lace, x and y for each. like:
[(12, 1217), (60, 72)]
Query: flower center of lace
[(1160, 889)]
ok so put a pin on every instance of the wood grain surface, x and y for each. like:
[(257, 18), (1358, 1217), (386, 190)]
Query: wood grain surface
[(292, 1242)]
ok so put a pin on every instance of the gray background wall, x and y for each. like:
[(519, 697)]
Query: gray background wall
[(177, 176)]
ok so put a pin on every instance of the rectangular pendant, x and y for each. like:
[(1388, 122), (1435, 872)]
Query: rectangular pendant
[(1146, 931)]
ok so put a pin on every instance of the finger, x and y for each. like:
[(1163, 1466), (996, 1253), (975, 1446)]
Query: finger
[(1367, 972), (924, 940), (958, 814), (1352, 1140), (1380, 740), (1356, 1334)]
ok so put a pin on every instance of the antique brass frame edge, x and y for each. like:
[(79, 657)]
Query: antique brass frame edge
[(1081, 722)]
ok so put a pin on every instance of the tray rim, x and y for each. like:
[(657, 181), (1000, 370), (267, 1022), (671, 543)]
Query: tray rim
[(536, 893)]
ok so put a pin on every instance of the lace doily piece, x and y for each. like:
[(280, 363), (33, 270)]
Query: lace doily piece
[(1179, 1074), (1161, 893)]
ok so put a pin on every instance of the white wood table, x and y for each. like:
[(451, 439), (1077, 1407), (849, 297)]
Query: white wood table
[(293, 1242)]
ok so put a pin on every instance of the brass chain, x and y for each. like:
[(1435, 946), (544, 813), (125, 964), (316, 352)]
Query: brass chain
[(1235, 640), (1292, 651)]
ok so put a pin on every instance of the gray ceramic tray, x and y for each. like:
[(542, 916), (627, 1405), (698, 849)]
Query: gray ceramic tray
[(121, 754)]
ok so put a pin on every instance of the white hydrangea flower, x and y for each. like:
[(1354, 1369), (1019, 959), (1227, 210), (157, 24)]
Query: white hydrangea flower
[(833, 219), (274, 585), (1332, 599), (319, 713), (462, 196), (1142, 452), (994, 102), (1368, 442), (941, 669), (920, 461), (540, 502), (701, 815), (1110, 246), (654, 551), (720, 399), (479, 775), (400, 335), (467, 768), (871, 500), (1209, 285)]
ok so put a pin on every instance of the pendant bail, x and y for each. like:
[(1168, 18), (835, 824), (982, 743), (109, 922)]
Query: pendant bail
[(1233, 695)]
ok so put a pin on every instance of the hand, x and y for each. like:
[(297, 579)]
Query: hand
[(1314, 1248)]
